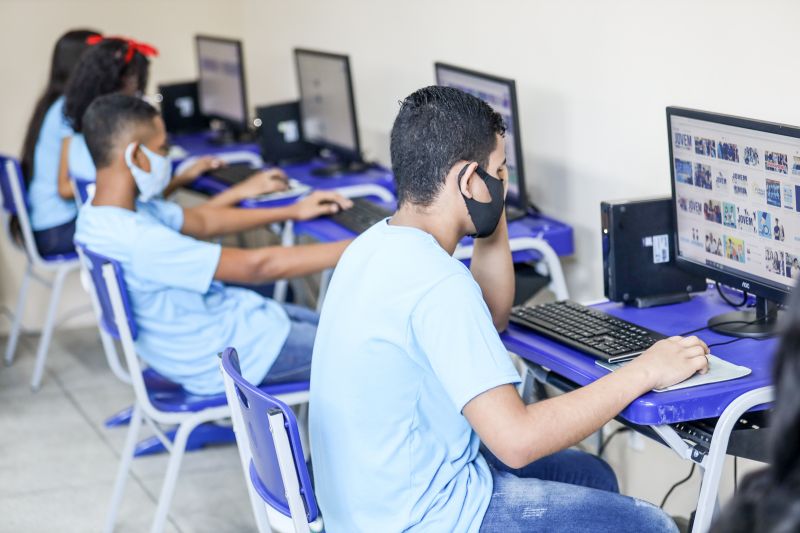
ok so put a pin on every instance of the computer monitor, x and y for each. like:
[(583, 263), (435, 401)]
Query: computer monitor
[(327, 106), (736, 196), (501, 95), (221, 83)]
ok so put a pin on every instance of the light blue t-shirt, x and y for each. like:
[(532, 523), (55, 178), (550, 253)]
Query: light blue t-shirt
[(404, 342), (81, 165), (184, 317), (48, 209)]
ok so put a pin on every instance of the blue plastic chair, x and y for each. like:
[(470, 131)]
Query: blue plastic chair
[(83, 189), (14, 202), (277, 470), (158, 406)]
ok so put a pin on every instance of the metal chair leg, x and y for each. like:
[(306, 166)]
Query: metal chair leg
[(47, 329), (16, 326), (171, 477), (124, 467)]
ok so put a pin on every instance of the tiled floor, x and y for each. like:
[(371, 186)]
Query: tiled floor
[(58, 461)]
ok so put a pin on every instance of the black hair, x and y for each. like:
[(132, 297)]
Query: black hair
[(435, 128), (66, 53), (768, 500), (108, 118), (103, 69)]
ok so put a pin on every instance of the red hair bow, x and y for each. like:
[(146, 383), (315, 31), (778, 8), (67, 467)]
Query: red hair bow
[(133, 46)]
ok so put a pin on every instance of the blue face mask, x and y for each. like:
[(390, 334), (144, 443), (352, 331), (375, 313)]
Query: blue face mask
[(153, 183)]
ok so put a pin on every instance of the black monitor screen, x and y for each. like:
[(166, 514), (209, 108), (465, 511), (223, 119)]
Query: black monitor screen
[(221, 88), (501, 95), (736, 185), (327, 105)]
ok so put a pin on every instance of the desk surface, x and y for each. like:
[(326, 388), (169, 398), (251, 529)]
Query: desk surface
[(705, 401)]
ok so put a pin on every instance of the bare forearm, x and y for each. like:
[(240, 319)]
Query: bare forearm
[(560, 422), (207, 221), (493, 269), (298, 261), (227, 198), (276, 262)]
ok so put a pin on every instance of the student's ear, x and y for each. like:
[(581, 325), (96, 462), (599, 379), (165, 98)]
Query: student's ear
[(140, 159), (465, 176)]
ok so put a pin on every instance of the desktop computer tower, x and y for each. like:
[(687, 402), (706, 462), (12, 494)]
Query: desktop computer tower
[(180, 108), (639, 254), (280, 134)]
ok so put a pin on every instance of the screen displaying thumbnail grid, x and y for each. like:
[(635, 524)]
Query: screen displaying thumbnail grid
[(737, 195)]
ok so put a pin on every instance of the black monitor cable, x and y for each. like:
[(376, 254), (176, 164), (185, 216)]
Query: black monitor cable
[(607, 440), (728, 301), (676, 485)]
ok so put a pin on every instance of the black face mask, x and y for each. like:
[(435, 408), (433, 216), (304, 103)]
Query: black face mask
[(487, 215)]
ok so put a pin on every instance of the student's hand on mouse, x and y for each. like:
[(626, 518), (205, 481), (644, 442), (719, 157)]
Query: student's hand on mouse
[(264, 182), (672, 360), (200, 167), (321, 203)]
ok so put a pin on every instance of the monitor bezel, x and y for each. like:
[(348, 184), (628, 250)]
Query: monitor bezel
[(522, 200), (240, 126), (341, 151), (744, 283)]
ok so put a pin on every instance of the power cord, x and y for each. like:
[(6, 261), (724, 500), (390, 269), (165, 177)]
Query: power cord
[(604, 444), (722, 295), (676, 485)]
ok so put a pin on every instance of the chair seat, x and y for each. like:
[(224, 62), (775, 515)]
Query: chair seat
[(60, 258), (176, 399)]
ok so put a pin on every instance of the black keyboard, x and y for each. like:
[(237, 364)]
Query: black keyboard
[(588, 330), (362, 216), (233, 173)]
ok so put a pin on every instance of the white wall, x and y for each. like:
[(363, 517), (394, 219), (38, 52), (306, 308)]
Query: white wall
[(593, 79), (29, 31)]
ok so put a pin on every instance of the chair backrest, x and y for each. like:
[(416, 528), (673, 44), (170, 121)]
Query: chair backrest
[(94, 264), (83, 188), (6, 176), (277, 462)]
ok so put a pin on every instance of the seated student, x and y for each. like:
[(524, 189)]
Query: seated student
[(52, 217), (184, 311), (114, 65), (768, 500), (409, 376)]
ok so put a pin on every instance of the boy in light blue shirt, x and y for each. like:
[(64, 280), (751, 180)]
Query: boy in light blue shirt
[(184, 311), (414, 418)]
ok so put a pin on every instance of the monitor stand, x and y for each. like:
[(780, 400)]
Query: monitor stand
[(333, 170), (754, 323)]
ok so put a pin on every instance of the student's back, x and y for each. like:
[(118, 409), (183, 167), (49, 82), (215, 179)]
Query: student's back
[(48, 209), (52, 214), (402, 322), (184, 317), (768, 500)]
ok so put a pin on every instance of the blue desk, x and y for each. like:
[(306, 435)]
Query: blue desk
[(727, 400), (557, 234)]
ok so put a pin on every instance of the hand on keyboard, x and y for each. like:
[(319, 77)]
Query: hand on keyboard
[(672, 360), (264, 182), (320, 203), (199, 167)]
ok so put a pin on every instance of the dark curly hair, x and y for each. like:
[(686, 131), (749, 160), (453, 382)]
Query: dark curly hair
[(102, 70), (767, 501), (67, 52), (435, 128)]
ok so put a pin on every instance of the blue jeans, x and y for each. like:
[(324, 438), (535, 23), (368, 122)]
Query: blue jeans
[(294, 360), (571, 492)]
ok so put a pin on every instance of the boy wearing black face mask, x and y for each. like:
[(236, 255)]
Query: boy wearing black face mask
[(409, 376)]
